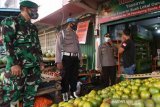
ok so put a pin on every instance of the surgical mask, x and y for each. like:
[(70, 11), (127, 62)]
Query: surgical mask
[(106, 39), (33, 14)]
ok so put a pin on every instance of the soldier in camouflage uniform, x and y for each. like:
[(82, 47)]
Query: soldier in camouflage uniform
[(24, 56)]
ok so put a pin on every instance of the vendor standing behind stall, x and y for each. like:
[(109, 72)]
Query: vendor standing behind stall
[(68, 55), (24, 56), (106, 61)]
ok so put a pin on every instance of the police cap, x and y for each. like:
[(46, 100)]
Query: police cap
[(29, 4), (70, 20)]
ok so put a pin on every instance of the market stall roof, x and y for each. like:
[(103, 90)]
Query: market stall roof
[(72, 9), (60, 15), (5, 12)]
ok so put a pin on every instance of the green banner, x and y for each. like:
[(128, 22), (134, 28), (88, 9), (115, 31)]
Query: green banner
[(118, 9)]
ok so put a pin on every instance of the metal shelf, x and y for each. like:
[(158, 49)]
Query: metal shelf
[(47, 90)]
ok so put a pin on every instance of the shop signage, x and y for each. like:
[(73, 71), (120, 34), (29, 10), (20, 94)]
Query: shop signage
[(82, 29), (118, 9)]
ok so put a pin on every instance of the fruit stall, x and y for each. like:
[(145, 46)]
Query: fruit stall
[(49, 58), (141, 76), (50, 81), (128, 93)]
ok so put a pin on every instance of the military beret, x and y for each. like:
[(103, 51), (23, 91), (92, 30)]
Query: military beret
[(29, 4)]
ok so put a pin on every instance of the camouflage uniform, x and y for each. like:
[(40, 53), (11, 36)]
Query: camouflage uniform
[(23, 48)]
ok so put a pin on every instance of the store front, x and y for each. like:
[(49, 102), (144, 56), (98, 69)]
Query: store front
[(87, 40), (143, 18)]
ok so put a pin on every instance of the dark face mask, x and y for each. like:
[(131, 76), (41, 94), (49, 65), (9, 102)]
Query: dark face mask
[(74, 27), (33, 14)]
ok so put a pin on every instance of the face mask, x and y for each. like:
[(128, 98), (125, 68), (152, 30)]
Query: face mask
[(33, 14), (106, 39)]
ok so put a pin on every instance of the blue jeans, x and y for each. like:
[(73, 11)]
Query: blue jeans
[(130, 70)]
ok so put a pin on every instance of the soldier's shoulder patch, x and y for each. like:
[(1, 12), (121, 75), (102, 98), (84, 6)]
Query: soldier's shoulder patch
[(7, 21)]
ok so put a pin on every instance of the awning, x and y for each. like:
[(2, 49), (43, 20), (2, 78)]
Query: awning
[(73, 9), (6, 12), (61, 15)]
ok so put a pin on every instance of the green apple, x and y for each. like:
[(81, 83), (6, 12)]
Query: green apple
[(54, 105)]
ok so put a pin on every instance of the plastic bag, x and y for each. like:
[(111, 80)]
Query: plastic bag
[(42, 102)]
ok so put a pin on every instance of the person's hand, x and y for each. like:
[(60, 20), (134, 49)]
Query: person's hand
[(16, 70), (99, 69), (60, 66), (42, 66), (117, 45), (81, 62)]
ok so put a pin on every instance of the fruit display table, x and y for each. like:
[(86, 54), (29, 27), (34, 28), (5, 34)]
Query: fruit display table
[(146, 75), (128, 93), (89, 76), (49, 85), (50, 81), (49, 61)]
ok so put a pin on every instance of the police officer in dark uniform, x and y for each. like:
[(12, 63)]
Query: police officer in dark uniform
[(68, 55), (24, 56), (106, 61)]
